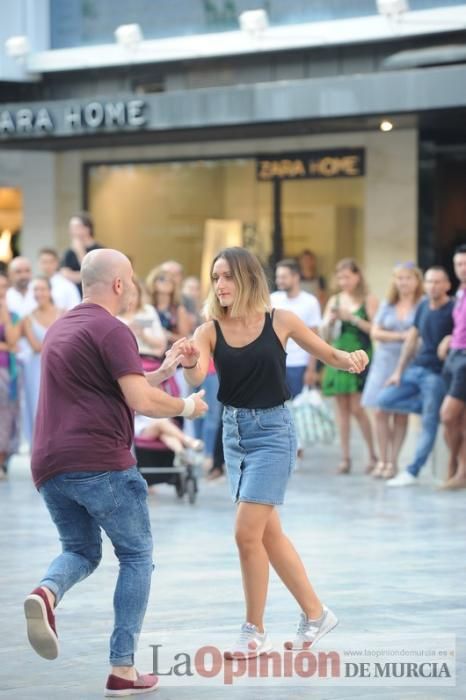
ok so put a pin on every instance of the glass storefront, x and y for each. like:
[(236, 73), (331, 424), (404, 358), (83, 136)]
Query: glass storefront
[(90, 22), (159, 211)]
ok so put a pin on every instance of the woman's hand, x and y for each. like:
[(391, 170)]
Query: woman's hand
[(357, 362), (345, 315), (190, 354)]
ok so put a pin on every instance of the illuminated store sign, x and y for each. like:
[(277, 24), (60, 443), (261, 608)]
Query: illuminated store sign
[(312, 164)]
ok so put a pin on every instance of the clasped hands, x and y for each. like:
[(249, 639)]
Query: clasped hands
[(183, 352)]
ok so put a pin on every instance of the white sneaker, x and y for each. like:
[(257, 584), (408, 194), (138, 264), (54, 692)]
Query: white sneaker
[(310, 631), (403, 479), (250, 643)]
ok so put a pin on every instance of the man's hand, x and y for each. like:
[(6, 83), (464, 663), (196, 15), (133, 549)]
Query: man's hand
[(172, 359), (394, 379), (443, 348), (78, 247), (200, 405), (357, 362)]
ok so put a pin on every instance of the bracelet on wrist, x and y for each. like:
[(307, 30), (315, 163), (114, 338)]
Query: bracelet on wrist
[(191, 366)]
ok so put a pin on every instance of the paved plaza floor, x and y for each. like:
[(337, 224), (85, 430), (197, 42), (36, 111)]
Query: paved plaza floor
[(390, 562)]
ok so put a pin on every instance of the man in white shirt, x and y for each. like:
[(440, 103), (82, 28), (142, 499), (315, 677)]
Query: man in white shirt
[(300, 366), (65, 294), (19, 297)]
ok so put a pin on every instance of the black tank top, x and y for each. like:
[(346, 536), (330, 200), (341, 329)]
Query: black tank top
[(252, 376)]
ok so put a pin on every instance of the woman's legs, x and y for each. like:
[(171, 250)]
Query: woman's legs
[(169, 433), (384, 434), (400, 428), (344, 416), (289, 567), (251, 521), (364, 423)]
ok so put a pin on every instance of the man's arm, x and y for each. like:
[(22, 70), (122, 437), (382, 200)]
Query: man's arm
[(71, 275), (152, 402)]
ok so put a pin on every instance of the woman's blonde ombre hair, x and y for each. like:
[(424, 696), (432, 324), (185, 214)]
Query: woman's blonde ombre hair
[(393, 295), (252, 290)]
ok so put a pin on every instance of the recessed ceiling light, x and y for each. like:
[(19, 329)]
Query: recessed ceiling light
[(386, 125)]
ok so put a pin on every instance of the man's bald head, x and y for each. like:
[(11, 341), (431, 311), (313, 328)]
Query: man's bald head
[(107, 278), (20, 273)]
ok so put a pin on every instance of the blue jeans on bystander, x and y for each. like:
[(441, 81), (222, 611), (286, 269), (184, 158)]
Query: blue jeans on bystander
[(420, 391)]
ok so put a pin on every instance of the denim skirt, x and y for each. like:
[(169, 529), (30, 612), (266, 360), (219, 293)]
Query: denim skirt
[(260, 452)]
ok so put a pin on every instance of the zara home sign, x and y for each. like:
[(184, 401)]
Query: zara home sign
[(342, 162), (73, 118)]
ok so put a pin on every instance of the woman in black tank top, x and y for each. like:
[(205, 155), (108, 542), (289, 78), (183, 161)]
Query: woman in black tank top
[(247, 341)]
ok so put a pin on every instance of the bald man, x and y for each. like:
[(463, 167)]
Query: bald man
[(19, 297), (92, 381)]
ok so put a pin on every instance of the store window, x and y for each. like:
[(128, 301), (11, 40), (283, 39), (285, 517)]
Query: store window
[(159, 211)]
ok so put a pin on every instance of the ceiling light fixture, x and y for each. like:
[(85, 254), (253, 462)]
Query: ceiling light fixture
[(129, 36), (392, 9), (17, 47), (253, 22), (386, 125)]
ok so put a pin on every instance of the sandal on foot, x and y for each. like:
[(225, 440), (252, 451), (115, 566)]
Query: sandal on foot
[(344, 467), (390, 471), (378, 470)]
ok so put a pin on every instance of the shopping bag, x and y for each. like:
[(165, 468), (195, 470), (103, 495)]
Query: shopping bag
[(313, 418)]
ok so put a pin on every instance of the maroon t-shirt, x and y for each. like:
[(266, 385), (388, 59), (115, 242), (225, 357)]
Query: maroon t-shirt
[(83, 422)]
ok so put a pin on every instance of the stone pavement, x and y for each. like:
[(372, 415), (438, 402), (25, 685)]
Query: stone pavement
[(388, 561)]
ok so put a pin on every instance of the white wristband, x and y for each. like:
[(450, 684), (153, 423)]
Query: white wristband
[(189, 407)]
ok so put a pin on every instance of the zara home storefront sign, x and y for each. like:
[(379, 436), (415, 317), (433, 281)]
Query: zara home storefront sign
[(312, 165), (73, 118)]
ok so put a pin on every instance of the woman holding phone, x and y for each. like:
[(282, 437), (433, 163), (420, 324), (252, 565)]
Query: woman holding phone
[(247, 341)]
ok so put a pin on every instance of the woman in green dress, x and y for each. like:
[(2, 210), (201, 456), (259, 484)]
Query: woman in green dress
[(347, 325)]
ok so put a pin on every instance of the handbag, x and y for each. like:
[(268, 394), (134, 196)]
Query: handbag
[(313, 418)]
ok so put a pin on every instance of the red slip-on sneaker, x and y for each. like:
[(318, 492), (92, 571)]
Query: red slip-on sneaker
[(119, 687), (40, 621)]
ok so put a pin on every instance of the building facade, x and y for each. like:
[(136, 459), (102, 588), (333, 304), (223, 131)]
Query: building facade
[(273, 131)]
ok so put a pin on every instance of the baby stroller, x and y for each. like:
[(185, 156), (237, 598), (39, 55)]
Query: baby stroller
[(155, 461)]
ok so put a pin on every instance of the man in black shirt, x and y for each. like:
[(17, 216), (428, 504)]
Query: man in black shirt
[(82, 240)]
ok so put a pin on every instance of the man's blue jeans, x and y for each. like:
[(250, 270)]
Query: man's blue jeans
[(81, 503), (420, 391)]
